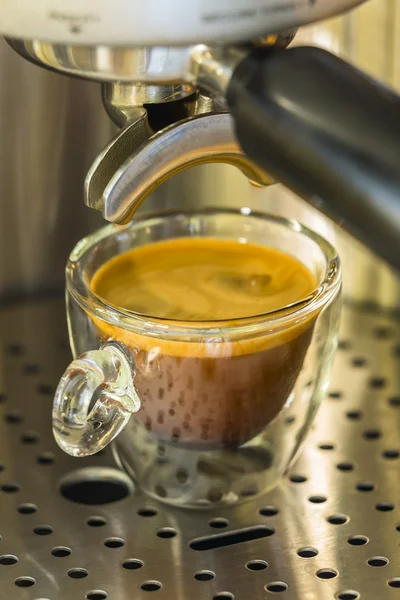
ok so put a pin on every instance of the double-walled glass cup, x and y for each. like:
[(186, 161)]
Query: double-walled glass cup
[(203, 413)]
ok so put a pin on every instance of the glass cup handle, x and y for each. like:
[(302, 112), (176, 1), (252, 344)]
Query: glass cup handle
[(94, 399)]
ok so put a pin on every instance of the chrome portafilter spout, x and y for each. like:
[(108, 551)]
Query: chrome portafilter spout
[(167, 128), (138, 159)]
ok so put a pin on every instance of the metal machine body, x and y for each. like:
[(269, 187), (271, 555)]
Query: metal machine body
[(158, 22), (334, 532), (228, 57)]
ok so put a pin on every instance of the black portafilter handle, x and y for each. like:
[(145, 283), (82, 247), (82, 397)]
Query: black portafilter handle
[(329, 133)]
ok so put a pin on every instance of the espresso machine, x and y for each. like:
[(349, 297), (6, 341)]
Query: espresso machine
[(186, 85), (193, 89)]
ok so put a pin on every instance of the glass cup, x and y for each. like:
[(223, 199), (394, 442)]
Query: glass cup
[(208, 413)]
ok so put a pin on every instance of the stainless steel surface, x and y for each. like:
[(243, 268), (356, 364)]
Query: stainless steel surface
[(112, 157), (347, 473), (145, 64), (198, 65), (201, 139), (51, 129), (121, 98), (211, 69)]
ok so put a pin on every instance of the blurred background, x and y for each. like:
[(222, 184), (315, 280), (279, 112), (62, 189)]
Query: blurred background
[(52, 127)]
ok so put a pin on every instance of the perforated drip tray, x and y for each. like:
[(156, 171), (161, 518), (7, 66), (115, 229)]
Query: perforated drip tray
[(332, 530)]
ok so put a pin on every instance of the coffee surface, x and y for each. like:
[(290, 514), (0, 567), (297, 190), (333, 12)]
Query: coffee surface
[(202, 279)]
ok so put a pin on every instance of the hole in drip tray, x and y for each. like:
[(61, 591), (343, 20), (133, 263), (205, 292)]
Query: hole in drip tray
[(391, 454), (338, 519), (326, 447), (384, 506), (27, 508), (30, 437), (13, 417), (147, 512), (382, 332), (378, 561), (224, 596), (218, 523), (395, 582), (276, 587), (268, 511), (114, 542), (204, 575), (166, 532), (46, 458), (344, 344), (345, 466), (61, 551), (15, 349), (31, 369), (132, 564), (394, 401), (96, 595), (307, 552), (348, 595), (43, 530), (8, 559), (372, 434), (257, 565), (45, 389), (365, 486), (377, 382), (24, 582), (78, 573), (95, 486), (317, 499), (357, 540), (354, 415), (96, 521), (297, 478), (326, 574), (151, 586), (10, 487), (231, 538), (358, 361)]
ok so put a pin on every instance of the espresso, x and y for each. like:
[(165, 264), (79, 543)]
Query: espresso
[(221, 389), (203, 279)]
